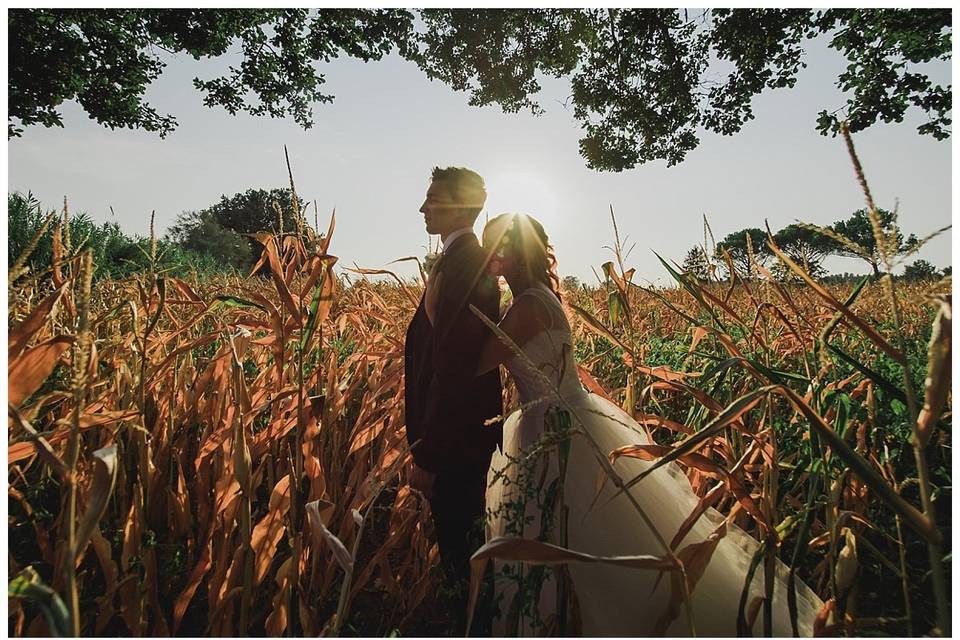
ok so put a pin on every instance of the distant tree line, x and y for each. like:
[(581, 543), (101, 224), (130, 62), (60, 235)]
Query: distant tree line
[(216, 239), (748, 253), (219, 238), (115, 254)]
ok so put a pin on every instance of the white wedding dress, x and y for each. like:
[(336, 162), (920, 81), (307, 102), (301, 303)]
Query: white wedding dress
[(607, 600)]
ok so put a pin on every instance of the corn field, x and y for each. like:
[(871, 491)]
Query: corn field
[(227, 456)]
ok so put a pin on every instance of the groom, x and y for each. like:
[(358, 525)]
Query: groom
[(446, 404)]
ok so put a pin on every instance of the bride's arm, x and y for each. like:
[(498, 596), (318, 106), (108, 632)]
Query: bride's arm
[(524, 320)]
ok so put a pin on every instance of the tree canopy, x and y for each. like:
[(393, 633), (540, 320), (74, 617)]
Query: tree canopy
[(219, 229), (921, 270), (736, 245), (642, 83), (106, 59), (862, 238), (806, 246), (697, 264)]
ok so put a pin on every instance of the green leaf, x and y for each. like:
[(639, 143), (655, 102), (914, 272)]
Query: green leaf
[(312, 312), (865, 469), (616, 308), (827, 330), (843, 414), (877, 379), (899, 409), (234, 301), (28, 586), (694, 290)]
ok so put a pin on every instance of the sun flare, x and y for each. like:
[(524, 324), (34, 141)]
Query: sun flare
[(523, 190)]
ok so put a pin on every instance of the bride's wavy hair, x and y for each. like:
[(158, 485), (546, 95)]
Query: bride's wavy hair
[(523, 239)]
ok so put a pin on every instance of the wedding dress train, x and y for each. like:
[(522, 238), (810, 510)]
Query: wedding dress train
[(529, 491)]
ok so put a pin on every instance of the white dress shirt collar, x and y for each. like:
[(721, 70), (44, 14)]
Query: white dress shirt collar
[(453, 236)]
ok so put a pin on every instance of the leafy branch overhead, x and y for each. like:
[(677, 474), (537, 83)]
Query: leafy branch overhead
[(645, 83)]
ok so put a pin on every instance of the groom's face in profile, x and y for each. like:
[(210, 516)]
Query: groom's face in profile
[(441, 213)]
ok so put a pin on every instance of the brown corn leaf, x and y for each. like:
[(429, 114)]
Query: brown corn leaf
[(161, 368), (386, 272), (651, 452), (109, 567), (196, 576), (186, 290), (653, 420), (705, 503), (225, 499), (104, 478), (22, 450), (28, 372), (423, 274), (701, 396), (267, 532), (325, 241), (19, 338), (178, 499), (591, 384), (863, 468), (322, 302), (663, 373), (366, 436), (695, 558), (130, 598), (277, 274), (727, 416), (39, 445), (698, 334), (280, 614)]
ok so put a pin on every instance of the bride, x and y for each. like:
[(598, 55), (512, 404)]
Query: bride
[(543, 486)]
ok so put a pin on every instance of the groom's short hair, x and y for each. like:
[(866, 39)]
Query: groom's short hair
[(466, 188)]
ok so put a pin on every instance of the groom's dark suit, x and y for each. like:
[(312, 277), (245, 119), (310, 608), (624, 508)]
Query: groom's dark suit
[(447, 405)]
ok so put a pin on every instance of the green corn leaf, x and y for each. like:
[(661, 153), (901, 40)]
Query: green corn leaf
[(28, 586), (877, 379), (693, 290), (843, 415), (313, 312), (616, 308), (864, 468), (827, 330), (234, 301)]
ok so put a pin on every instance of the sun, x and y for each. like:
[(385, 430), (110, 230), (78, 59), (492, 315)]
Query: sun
[(522, 190)]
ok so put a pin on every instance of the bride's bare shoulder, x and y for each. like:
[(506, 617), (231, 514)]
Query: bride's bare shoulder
[(526, 317)]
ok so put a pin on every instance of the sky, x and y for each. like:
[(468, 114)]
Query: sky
[(370, 153)]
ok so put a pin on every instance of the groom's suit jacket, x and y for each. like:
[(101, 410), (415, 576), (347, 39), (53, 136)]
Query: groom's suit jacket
[(446, 404)]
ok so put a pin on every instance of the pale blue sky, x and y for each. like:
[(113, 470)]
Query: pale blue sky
[(370, 154)]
